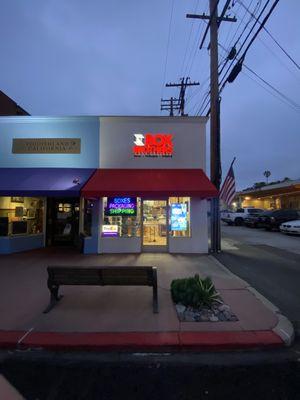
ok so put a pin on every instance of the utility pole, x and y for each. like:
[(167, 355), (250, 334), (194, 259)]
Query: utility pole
[(215, 153), (169, 105), (184, 83)]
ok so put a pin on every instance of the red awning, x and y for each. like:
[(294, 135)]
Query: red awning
[(149, 183)]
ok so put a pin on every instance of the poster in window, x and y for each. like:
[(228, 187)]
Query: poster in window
[(178, 217)]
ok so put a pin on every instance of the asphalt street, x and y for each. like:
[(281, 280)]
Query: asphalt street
[(39, 375), (269, 261)]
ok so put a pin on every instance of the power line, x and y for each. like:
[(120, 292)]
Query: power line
[(189, 39), (287, 100), (268, 47), (292, 102), (245, 40), (259, 29), (231, 25), (271, 93), (168, 45), (271, 36)]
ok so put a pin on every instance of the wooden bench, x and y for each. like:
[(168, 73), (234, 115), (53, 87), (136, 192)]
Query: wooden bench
[(100, 276)]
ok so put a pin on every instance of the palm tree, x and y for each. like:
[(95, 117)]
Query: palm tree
[(267, 174)]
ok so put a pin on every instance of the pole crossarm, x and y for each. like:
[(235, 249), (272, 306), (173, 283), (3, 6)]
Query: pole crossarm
[(219, 19)]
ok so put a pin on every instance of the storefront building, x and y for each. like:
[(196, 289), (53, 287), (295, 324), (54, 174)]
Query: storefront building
[(285, 194), (104, 184)]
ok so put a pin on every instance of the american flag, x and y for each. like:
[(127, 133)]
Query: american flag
[(227, 191)]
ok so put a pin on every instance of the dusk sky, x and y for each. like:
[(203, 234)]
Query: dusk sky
[(96, 57)]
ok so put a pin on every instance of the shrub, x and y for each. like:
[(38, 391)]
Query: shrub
[(194, 292)]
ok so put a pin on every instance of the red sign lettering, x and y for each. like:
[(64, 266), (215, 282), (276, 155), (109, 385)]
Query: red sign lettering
[(153, 145)]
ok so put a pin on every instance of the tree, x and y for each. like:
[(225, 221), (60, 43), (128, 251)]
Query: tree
[(267, 174)]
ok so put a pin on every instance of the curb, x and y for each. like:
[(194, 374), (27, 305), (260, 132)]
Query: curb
[(141, 341), (284, 328)]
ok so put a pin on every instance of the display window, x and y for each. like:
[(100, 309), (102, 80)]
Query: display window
[(121, 217), (179, 216), (21, 216)]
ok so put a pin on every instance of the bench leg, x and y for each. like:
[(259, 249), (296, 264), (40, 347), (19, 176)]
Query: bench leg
[(54, 298)]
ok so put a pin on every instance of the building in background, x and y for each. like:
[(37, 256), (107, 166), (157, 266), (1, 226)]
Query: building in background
[(105, 184), (10, 107), (285, 194)]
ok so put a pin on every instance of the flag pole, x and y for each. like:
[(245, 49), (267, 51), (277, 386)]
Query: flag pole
[(234, 158)]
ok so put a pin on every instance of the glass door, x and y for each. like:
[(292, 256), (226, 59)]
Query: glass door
[(63, 222), (155, 232)]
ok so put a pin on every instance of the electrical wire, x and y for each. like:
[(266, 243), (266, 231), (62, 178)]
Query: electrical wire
[(195, 47), (189, 39), (259, 29), (270, 50), (271, 36), (292, 102), (245, 40), (167, 49), (271, 93)]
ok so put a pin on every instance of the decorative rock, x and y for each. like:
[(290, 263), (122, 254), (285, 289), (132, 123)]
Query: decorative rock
[(224, 307), (216, 313), (180, 308), (189, 318), (204, 318), (222, 317), (227, 315)]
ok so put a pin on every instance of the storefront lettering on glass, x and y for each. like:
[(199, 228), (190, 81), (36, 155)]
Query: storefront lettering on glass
[(119, 206), (153, 145), (46, 146)]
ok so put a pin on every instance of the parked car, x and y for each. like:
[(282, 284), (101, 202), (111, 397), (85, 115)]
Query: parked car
[(291, 227), (238, 217), (254, 220), (273, 219)]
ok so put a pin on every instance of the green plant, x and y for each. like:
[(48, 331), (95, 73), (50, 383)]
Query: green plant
[(194, 291)]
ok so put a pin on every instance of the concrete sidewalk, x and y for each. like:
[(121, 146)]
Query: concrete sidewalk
[(122, 317)]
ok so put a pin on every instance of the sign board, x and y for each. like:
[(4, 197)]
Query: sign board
[(110, 230), (46, 146), (153, 145), (119, 206), (178, 217)]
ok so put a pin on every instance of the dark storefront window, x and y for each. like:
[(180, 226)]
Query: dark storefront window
[(21, 215)]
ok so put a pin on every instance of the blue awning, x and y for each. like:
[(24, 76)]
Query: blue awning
[(50, 182)]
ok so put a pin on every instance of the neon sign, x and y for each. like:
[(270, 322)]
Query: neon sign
[(118, 206), (153, 145)]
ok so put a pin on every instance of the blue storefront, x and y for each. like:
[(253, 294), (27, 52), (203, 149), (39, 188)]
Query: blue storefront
[(44, 163)]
